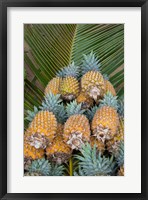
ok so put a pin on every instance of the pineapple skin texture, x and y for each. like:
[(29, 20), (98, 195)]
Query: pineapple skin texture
[(32, 153), (77, 123), (99, 144), (90, 80), (60, 129), (45, 124), (58, 151), (107, 117), (86, 101), (69, 88), (53, 86), (109, 87)]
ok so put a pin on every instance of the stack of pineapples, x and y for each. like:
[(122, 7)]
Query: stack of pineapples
[(81, 121)]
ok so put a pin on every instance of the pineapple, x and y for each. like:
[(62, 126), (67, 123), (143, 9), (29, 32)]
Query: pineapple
[(99, 144), (92, 82), (42, 130), (76, 131), (69, 87), (86, 101), (58, 152), (109, 87), (31, 153), (105, 122), (121, 171), (53, 86)]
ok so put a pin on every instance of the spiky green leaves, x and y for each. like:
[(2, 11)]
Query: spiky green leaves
[(70, 70), (121, 107), (91, 112), (109, 100), (90, 63), (52, 103), (73, 108), (44, 168), (61, 113), (94, 164), (119, 155), (31, 114)]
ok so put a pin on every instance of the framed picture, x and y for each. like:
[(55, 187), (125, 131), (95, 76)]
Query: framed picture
[(73, 99)]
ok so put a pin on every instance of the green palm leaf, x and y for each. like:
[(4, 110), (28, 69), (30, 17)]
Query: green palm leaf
[(50, 47)]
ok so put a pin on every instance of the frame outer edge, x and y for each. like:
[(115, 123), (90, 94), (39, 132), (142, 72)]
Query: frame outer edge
[(3, 106)]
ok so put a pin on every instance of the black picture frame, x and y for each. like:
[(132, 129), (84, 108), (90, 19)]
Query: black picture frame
[(4, 4)]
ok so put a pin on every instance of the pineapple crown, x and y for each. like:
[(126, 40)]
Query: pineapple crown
[(119, 154), (61, 114), (106, 77), (70, 70), (43, 167), (91, 112), (121, 107), (92, 163), (109, 100), (73, 108), (90, 63), (51, 103), (31, 114)]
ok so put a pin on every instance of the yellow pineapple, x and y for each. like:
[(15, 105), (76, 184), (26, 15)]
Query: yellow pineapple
[(31, 153), (58, 151), (105, 123), (109, 87), (99, 144), (42, 130), (121, 171), (76, 131), (86, 101), (69, 88), (53, 86), (92, 83)]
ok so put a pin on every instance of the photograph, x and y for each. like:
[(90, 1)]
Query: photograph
[(73, 100)]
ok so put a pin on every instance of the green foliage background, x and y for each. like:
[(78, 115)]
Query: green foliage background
[(49, 47)]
